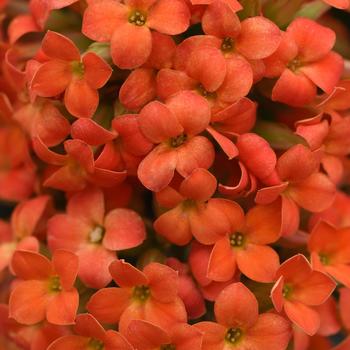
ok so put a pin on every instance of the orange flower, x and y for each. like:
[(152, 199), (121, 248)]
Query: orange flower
[(330, 251), (46, 285), (239, 325), (90, 336), (297, 289), (65, 71), (151, 295)]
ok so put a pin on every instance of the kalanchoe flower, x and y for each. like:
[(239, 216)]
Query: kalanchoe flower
[(331, 137), (43, 119), (174, 128), (94, 235), (198, 260), (127, 25), (240, 326), (194, 212), (47, 288), (150, 295), (65, 71), (147, 336), (330, 251), (35, 337), (303, 62), (245, 244), (140, 87), (90, 335), (17, 170), (26, 220), (299, 183), (297, 289), (124, 146), (336, 215), (74, 170)]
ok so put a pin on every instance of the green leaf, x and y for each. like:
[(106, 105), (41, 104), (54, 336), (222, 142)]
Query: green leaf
[(251, 8), (278, 136)]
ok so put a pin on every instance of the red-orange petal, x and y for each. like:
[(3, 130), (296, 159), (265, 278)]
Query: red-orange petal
[(108, 304), (56, 45), (131, 45), (62, 307), (236, 306)]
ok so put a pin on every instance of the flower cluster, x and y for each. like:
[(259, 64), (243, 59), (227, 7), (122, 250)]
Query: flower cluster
[(174, 174)]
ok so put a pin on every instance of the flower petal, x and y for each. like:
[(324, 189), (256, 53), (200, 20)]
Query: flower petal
[(163, 282), (108, 304), (131, 45), (124, 230), (80, 99), (236, 306), (269, 332), (307, 34), (315, 194), (303, 316), (222, 262), (66, 266), (102, 18), (31, 265), (126, 275), (258, 262), (56, 45), (191, 110), (259, 38), (62, 307), (169, 17), (157, 169), (199, 186), (96, 70), (158, 123), (294, 89), (174, 226), (22, 299), (52, 78)]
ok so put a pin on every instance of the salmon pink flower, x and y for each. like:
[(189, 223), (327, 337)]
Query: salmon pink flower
[(140, 87), (150, 295), (17, 171), (65, 71), (94, 235), (43, 119), (74, 170), (124, 146), (330, 251), (238, 118), (147, 336), (337, 214), (47, 285), (127, 26), (245, 245), (198, 260), (90, 335), (303, 62), (331, 137), (240, 326), (174, 127), (297, 289), (26, 220), (194, 212), (35, 337), (300, 184)]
